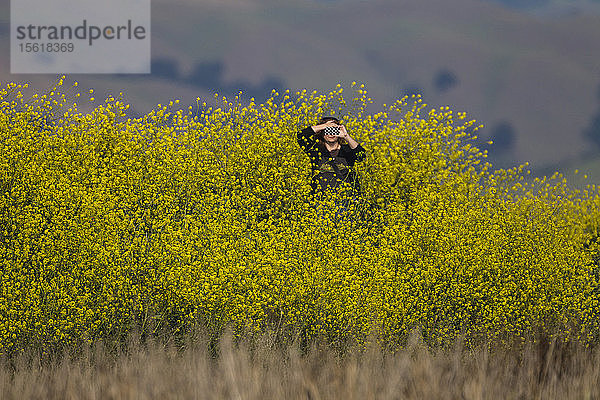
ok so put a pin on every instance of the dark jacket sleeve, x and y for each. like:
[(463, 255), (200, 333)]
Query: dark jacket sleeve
[(307, 141), (357, 154)]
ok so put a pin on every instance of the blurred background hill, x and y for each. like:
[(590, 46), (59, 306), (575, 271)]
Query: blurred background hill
[(528, 70)]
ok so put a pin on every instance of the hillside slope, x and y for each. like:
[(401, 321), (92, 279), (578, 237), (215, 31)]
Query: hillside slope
[(506, 68)]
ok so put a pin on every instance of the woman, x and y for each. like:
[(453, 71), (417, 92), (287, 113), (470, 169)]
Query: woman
[(332, 157)]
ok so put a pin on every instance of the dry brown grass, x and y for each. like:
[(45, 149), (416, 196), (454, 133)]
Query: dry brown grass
[(266, 371)]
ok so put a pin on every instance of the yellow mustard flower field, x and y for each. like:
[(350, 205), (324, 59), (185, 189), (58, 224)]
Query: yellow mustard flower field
[(204, 216)]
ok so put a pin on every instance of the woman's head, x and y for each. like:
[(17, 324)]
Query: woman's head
[(327, 138)]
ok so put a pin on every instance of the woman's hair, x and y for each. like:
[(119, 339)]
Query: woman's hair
[(329, 118)]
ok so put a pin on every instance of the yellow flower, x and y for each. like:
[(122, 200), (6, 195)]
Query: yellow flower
[(114, 223)]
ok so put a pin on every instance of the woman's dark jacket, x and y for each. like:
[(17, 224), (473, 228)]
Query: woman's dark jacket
[(330, 169)]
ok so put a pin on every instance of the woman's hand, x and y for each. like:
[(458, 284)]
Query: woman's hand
[(344, 135), (344, 132)]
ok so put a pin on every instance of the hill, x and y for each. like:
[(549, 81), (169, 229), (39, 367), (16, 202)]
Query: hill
[(535, 79)]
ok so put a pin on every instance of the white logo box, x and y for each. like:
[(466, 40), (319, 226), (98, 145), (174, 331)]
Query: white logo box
[(80, 36)]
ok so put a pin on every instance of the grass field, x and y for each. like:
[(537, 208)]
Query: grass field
[(262, 370)]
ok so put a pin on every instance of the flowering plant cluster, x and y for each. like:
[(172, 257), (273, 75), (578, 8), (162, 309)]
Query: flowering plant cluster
[(110, 224)]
